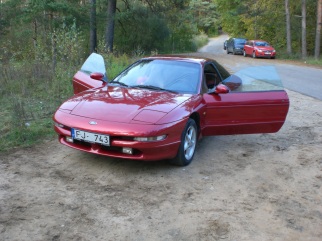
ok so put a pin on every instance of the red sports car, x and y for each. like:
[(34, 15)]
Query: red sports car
[(259, 48), (159, 107)]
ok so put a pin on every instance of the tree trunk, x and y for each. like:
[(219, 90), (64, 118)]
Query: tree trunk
[(93, 31), (304, 50), (318, 29), (54, 51), (288, 27), (109, 37)]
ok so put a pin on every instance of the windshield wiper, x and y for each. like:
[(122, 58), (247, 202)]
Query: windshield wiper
[(152, 87), (120, 83)]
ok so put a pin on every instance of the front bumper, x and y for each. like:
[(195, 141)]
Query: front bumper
[(265, 54), (239, 51), (144, 152), (121, 136)]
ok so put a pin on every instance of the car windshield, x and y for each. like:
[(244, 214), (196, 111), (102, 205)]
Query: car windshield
[(262, 44), (259, 78), (172, 75)]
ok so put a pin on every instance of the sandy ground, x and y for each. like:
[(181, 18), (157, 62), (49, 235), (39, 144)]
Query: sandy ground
[(243, 187)]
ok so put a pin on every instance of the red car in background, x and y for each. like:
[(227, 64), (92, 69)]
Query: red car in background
[(259, 48)]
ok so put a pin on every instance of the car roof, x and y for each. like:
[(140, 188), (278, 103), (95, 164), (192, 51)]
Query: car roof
[(240, 38), (258, 40), (177, 57)]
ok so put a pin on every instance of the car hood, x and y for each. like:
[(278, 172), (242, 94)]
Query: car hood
[(265, 48), (127, 105)]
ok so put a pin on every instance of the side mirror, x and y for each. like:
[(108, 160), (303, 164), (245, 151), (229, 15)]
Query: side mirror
[(97, 76), (221, 89)]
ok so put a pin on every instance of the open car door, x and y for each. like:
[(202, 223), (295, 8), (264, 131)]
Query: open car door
[(91, 75), (258, 105)]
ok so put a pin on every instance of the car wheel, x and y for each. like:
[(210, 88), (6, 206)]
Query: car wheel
[(188, 144), (234, 53), (254, 55), (244, 53)]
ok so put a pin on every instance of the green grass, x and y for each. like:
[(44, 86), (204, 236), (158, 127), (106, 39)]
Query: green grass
[(116, 64), (296, 57), (30, 93), (30, 133), (314, 61)]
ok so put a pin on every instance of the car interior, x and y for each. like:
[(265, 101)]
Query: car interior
[(211, 76), (211, 80)]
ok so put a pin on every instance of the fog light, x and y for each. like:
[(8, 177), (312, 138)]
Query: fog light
[(69, 139), (127, 150)]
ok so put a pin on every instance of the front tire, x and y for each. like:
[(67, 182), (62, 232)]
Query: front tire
[(188, 145), (254, 55), (244, 53)]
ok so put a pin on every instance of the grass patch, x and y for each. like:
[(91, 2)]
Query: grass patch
[(314, 61), (30, 133), (296, 57), (31, 92), (116, 64)]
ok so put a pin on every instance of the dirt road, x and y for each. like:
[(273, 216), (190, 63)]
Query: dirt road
[(245, 187)]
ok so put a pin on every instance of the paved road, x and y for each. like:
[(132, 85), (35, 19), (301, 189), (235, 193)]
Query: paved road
[(303, 79)]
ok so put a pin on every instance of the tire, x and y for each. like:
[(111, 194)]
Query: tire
[(244, 53), (254, 55), (188, 145), (227, 51), (234, 53)]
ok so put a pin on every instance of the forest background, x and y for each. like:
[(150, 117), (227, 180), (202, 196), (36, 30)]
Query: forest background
[(44, 42)]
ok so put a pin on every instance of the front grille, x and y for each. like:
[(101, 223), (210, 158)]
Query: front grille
[(83, 143), (111, 149)]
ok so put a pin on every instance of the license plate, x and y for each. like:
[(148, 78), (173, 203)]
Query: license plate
[(91, 137), (267, 52)]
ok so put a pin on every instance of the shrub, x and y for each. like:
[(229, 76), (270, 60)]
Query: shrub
[(200, 40)]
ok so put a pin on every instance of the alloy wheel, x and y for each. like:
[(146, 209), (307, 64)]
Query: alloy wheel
[(190, 142)]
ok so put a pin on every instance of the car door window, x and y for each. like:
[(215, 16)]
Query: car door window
[(223, 73), (214, 74), (211, 76), (256, 79)]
